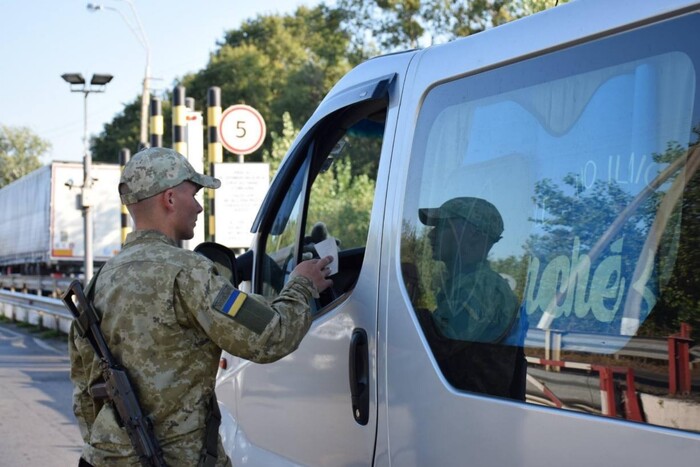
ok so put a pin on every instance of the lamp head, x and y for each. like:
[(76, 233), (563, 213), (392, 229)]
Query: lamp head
[(73, 78), (100, 79)]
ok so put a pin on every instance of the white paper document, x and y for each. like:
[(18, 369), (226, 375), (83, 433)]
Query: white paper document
[(328, 247)]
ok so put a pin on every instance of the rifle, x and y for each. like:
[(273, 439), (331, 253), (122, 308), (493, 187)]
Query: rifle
[(116, 386)]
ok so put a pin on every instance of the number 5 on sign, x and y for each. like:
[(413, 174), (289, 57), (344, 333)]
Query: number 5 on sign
[(241, 129)]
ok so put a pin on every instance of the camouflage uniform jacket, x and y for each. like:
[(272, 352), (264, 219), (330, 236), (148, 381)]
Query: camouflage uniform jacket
[(476, 306), (166, 315), (475, 312)]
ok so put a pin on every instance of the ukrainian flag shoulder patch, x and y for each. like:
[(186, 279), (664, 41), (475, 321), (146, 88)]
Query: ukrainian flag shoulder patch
[(229, 300)]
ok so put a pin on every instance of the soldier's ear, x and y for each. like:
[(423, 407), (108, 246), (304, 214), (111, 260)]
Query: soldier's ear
[(167, 199)]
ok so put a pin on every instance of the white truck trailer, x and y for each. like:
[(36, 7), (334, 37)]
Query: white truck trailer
[(41, 222)]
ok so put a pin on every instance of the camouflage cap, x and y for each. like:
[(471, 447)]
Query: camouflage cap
[(154, 170), (478, 212)]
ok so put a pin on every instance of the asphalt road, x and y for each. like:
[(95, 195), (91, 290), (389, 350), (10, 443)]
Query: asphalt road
[(37, 427)]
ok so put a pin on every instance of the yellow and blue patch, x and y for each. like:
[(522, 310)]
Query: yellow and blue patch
[(229, 300), (253, 314)]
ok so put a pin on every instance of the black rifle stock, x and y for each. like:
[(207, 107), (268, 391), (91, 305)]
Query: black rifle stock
[(116, 387)]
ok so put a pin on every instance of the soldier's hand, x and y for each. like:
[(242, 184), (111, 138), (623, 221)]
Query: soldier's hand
[(317, 271)]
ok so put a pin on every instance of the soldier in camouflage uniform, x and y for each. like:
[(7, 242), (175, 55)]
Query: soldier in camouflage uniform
[(476, 309), (167, 314)]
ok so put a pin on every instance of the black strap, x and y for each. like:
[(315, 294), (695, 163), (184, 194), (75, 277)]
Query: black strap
[(211, 440), (83, 320), (90, 289)]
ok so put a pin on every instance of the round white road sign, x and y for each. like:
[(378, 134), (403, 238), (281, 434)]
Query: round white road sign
[(241, 129)]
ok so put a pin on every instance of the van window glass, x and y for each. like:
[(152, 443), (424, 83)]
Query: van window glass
[(551, 227), (331, 197), (279, 247)]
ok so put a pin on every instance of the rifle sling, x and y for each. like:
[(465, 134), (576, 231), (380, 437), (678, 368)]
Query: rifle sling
[(90, 289)]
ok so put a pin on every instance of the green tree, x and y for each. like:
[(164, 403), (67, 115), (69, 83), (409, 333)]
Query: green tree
[(679, 257), (122, 132), (280, 144), (346, 203), (586, 217), (402, 24), (582, 217), (20, 153), (421, 273), (288, 63), (277, 64), (529, 7)]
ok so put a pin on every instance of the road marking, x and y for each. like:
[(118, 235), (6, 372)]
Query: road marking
[(46, 346), (21, 344), (12, 333)]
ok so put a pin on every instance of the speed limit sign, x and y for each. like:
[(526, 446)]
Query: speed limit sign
[(241, 129)]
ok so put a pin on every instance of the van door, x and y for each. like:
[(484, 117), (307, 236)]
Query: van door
[(542, 288), (318, 405)]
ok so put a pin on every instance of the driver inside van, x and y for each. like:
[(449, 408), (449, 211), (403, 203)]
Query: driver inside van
[(476, 309)]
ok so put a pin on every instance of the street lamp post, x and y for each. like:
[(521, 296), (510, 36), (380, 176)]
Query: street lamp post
[(143, 40), (78, 84)]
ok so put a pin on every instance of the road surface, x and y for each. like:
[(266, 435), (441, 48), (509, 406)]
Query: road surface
[(37, 427)]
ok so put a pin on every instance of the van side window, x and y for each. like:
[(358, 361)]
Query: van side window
[(551, 227), (330, 198)]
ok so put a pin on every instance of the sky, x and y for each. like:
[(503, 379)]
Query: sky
[(42, 39)]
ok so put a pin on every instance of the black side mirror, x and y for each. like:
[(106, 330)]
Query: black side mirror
[(223, 257)]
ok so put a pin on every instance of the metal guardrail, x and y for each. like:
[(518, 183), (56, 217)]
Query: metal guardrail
[(621, 346), (45, 312), (643, 347), (46, 284)]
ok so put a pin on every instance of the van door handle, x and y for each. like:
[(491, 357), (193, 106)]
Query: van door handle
[(359, 376)]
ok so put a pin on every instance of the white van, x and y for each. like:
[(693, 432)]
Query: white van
[(517, 215)]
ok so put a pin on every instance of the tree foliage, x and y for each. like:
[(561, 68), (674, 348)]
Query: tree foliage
[(287, 63), (280, 144), (122, 132), (401, 24), (277, 64), (585, 218), (680, 257), (20, 153), (592, 213), (343, 203), (420, 271)]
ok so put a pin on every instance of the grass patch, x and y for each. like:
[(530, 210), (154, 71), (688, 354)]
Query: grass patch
[(42, 333), (52, 334)]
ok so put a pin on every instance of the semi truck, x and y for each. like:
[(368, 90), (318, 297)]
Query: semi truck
[(41, 219)]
